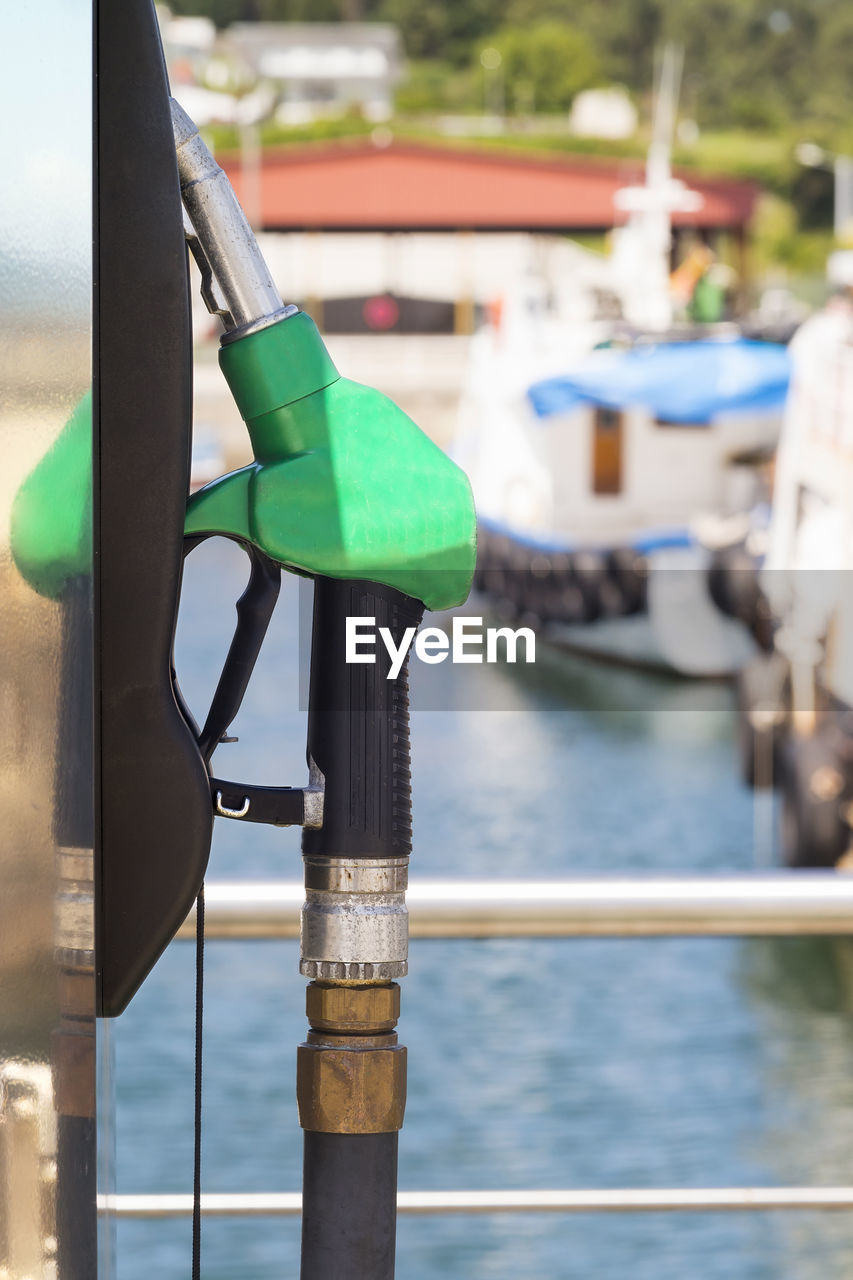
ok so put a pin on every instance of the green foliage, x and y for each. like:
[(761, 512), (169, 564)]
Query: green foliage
[(545, 65), (749, 63), (437, 86), (225, 138), (224, 12), (437, 29), (754, 111), (300, 10), (759, 77), (779, 240), (766, 158)]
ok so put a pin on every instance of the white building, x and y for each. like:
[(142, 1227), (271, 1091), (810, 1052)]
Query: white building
[(322, 68), (603, 113)]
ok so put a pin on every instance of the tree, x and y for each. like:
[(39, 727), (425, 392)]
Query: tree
[(224, 12), (545, 65), (436, 29), (763, 65)]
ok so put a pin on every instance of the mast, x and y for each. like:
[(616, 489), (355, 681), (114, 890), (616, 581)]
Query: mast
[(641, 255)]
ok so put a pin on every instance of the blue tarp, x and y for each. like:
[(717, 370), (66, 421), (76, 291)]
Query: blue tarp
[(686, 382), (654, 539)]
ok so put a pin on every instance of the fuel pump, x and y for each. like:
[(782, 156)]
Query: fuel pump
[(344, 489)]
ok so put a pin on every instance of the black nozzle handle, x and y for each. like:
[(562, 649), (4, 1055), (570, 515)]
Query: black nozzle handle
[(358, 723), (254, 611)]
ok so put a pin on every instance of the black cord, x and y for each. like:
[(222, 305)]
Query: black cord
[(199, 1006)]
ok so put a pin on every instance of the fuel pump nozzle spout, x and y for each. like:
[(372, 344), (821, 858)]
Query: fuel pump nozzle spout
[(236, 281)]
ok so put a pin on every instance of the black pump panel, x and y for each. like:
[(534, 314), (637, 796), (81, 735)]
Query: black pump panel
[(153, 813)]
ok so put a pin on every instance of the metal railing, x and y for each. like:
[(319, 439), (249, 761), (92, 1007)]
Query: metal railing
[(786, 903), (639, 1200), (699, 906)]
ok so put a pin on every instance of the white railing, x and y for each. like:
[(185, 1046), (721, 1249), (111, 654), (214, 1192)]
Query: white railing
[(642, 1200), (700, 906), (784, 903)]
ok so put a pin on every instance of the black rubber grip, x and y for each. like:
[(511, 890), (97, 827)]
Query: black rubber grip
[(358, 724)]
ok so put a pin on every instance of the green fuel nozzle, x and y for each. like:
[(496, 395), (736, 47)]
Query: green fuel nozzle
[(343, 484)]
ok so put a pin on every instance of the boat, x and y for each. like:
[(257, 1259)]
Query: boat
[(796, 694), (591, 493), (612, 440)]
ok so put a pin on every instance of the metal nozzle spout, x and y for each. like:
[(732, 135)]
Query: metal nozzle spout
[(226, 248)]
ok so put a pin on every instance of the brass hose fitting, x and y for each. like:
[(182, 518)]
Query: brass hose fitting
[(351, 1072), (356, 1010)]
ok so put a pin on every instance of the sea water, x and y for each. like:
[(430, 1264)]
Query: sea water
[(532, 1063)]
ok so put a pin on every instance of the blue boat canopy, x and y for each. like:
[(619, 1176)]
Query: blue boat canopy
[(683, 382)]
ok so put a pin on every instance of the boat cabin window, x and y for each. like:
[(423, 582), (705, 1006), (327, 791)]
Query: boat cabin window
[(607, 451)]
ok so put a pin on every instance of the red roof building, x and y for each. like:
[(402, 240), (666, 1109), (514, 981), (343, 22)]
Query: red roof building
[(358, 186)]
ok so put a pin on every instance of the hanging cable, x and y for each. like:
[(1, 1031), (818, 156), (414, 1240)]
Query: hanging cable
[(199, 1007)]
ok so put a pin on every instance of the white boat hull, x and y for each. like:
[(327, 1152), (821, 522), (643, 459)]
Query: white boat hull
[(682, 630)]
